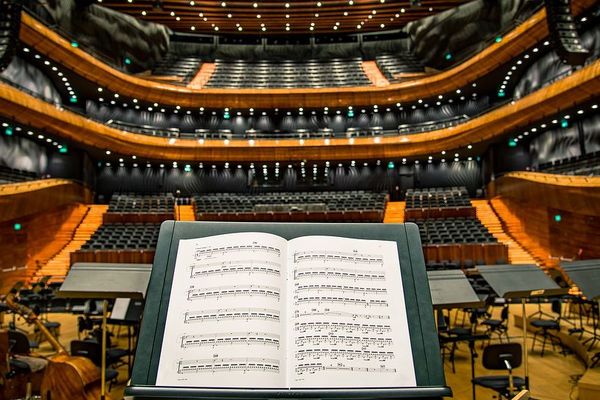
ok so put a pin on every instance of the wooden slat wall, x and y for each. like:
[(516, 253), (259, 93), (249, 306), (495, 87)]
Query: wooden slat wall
[(27, 198), (19, 248), (535, 199), (47, 42)]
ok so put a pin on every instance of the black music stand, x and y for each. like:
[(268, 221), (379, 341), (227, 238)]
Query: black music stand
[(423, 336), (451, 289), (586, 275), (105, 281), (520, 281)]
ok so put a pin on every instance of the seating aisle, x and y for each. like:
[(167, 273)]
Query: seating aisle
[(394, 212), (59, 265), (516, 253), (512, 225)]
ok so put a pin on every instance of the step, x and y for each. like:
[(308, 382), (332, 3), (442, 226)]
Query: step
[(394, 212), (517, 254), (59, 265)]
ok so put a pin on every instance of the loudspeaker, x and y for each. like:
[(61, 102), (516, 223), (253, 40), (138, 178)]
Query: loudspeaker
[(563, 31)]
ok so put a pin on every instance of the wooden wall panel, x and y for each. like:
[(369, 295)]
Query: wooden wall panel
[(48, 42), (536, 199), (22, 199), (489, 253), (19, 248)]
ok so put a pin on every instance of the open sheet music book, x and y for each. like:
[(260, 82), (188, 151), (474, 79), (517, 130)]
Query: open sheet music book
[(253, 310)]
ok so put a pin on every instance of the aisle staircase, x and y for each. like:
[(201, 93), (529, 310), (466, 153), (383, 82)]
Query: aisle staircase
[(394, 212), (59, 265), (512, 225), (185, 213), (517, 254)]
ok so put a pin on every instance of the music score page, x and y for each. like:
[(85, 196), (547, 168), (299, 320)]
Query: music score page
[(253, 310)]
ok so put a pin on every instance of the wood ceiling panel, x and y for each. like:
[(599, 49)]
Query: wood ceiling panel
[(274, 18)]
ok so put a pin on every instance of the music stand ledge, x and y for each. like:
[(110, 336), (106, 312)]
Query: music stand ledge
[(423, 335)]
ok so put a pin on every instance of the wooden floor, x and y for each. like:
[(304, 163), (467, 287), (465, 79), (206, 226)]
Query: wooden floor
[(552, 377)]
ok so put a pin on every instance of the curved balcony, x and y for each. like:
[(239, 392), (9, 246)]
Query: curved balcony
[(44, 40), (577, 88)]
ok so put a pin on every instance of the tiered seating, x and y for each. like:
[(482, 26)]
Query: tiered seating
[(588, 165), (292, 206), (453, 230), (184, 68), (140, 208), (10, 175), (437, 197), (288, 74), (10, 18), (124, 237), (461, 240), (438, 203), (393, 65)]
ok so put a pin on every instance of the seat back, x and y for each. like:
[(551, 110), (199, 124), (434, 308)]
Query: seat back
[(18, 342), (557, 307), (494, 356), (87, 349)]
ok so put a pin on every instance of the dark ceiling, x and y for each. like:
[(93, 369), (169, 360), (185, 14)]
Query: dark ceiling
[(288, 17)]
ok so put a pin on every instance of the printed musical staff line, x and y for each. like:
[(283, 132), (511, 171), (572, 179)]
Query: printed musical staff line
[(226, 314), (235, 267), (349, 354), (344, 340), (311, 368), (338, 257), (342, 300), (320, 326), (341, 288), (222, 250), (332, 313), (228, 364), (233, 291), (232, 338), (338, 273)]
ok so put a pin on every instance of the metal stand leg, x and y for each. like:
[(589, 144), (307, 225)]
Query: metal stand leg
[(526, 367), (103, 363)]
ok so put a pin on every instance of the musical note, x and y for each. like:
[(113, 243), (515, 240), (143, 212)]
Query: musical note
[(338, 257), (228, 364), (315, 367), (235, 290), (320, 326), (344, 340), (206, 252), (341, 288), (342, 300), (235, 267), (230, 338), (244, 314), (349, 354), (338, 273), (331, 313)]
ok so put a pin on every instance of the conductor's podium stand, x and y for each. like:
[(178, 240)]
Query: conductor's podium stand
[(423, 335)]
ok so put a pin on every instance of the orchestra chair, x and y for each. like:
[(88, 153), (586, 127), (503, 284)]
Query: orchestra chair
[(501, 357), (544, 326), (93, 350), (22, 372), (498, 327)]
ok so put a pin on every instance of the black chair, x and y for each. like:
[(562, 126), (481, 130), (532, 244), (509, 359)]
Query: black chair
[(499, 327), (20, 343), (544, 326), (505, 357), (93, 351)]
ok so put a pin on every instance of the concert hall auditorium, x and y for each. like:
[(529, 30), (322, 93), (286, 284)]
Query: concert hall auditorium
[(315, 199)]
